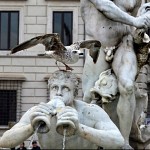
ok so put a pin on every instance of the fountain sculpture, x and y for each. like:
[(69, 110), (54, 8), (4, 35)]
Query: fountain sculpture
[(112, 79), (72, 124)]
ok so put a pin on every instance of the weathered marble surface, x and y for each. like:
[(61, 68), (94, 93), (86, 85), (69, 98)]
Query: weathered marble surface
[(113, 23), (121, 30), (92, 125), (106, 87)]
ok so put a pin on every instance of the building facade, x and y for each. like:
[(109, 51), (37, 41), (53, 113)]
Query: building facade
[(24, 75)]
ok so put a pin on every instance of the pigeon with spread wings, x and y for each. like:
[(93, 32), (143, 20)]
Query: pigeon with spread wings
[(55, 49)]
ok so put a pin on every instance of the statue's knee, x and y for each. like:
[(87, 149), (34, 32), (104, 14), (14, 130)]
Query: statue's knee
[(130, 88), (127, 87)]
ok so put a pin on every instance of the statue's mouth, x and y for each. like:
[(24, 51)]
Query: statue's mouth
[(106, 95)]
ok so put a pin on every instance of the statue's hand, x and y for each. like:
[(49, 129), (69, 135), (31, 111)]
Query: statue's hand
[(142, 21), (57, 101), (69, 114), (40, 117), (41, 110)]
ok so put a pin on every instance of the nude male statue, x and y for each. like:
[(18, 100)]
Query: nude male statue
[(92, 125), (112, 22)]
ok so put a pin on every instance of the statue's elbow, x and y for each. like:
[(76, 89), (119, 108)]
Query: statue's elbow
[(3, 144), (119, 141), (6, 142)]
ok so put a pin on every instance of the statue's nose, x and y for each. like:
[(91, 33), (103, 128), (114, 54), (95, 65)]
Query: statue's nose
[(59, 92)]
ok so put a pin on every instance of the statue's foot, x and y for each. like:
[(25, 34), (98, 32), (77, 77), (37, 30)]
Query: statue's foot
[(127, 146)]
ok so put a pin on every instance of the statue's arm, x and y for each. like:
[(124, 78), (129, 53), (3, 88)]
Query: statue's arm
[(18, 133), (104, 133), (113, 12)]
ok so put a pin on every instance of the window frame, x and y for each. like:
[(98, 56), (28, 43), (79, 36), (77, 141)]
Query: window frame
[(13, 82), (13, 85), (21, 24), (62, 22), (9, 28), (65, 8)]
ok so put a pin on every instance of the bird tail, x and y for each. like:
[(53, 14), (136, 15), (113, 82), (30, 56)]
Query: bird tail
[(41, 54), (45, 55)]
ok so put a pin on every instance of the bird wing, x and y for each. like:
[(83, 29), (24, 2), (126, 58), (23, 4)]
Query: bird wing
[(27, 44), (54, 44), (50, 41), (93, 46)]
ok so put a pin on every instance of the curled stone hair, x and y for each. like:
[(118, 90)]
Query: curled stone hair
[(65, 75)]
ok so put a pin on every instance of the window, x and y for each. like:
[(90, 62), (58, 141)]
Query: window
[(10, 101), (8, 106), (63, 24), (9, 29)]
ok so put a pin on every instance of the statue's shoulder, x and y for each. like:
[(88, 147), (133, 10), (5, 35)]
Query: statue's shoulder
[(79, 104), (89, 110)]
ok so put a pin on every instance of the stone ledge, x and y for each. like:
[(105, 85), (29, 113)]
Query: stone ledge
[(3, 128), (16, 77), (13, 0)]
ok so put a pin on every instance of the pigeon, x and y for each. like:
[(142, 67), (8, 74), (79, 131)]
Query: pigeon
[(54, 48)]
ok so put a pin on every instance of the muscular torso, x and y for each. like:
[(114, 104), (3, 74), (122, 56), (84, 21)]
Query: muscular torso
[(53, 140), (108, 32), (102, 28), (92, 119)]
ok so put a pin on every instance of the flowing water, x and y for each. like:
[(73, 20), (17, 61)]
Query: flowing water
[(64, 139), (33, 138)]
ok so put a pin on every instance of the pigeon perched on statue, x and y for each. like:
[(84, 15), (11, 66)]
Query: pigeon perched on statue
[(54, 48)]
